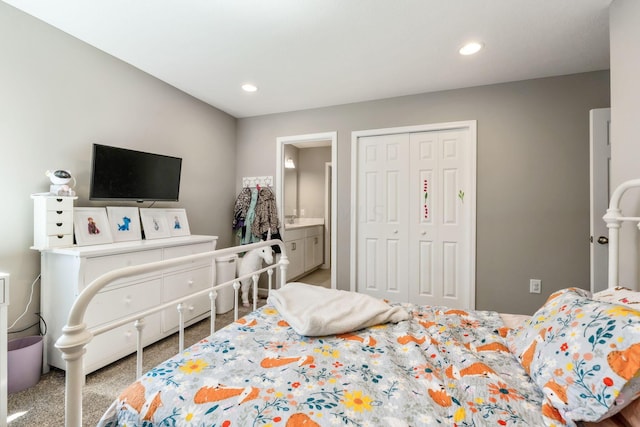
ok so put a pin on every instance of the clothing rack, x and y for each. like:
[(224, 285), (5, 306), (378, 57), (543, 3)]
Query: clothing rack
[(257, 181)]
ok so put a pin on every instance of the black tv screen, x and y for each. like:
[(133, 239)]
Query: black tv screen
[(123, 174)]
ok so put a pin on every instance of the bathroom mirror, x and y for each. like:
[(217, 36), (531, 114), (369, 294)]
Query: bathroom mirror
[(290, 192)]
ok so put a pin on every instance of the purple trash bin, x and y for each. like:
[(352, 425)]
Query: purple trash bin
[(24, 363)]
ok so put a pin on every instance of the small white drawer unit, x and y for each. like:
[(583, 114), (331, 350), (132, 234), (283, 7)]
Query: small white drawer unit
[(52, 221)]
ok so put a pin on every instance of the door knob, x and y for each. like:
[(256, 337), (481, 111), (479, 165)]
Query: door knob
[(603, 240)]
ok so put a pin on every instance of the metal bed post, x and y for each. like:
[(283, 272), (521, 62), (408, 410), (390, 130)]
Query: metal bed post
[(614, 219), (139, 325), (236, 286), (212, 297), (254, 284)]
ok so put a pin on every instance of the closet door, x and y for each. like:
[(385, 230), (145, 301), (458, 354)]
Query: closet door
[(439, 223), (383, 199)]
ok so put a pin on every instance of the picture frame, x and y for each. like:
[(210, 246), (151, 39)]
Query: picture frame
[(91, 226), (177, 222), (154, 223), (125, 223)]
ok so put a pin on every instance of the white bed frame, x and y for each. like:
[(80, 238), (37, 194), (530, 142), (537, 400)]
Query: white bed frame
[(614, 219), (75, 335)]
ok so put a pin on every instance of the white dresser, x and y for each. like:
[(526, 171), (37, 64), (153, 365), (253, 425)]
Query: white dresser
[(4, 302), (66, 271)]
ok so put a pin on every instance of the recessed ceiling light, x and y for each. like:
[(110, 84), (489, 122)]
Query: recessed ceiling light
[(471, 48), (248, 87)]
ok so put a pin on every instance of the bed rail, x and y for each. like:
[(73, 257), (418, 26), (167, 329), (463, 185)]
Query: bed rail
[(614, 219), (75, 335)]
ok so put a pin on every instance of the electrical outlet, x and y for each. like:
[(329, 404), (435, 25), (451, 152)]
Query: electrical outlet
[(302, 212), (534, 286)]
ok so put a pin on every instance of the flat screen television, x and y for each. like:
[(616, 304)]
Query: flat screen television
[(124, 174)]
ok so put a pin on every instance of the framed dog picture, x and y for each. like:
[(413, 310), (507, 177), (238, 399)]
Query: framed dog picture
[(178, 223), (125, 223), (91, 226), (154, 223)]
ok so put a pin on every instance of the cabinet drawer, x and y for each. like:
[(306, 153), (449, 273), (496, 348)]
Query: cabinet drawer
[(185, 250), (295, 234), (97, 266), (180, 284), (59, 216), (61, 204), (56, 228), (119, 342), (59, 240), (116, 303), (314, 231)]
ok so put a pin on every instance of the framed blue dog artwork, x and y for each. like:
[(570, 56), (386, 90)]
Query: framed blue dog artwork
[(125, 223)]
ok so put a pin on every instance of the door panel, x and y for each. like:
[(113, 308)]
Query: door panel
[(600, 156), (383, 162)]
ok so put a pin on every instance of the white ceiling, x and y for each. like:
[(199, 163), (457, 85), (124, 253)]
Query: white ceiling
[(313, 53)]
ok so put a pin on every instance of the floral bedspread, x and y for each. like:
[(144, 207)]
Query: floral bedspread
[(442, 367)]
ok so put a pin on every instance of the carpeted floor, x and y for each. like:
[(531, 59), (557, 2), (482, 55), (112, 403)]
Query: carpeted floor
[(43, 404)]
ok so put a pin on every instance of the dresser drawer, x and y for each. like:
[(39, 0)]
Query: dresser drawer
[(59, 204), (57, 228), (59, 240), (119, 342), (185, 250), (59, 216), (184, 283), (97, 266), (119, 302)]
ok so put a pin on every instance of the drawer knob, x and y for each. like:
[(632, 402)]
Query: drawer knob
[(190, 282), (191, 308), (59, 212), (127, 300), (58, 224), (60, 236)]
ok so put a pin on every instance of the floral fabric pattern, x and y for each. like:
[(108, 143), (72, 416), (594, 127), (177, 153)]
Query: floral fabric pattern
[(441, 367), (584, 354)]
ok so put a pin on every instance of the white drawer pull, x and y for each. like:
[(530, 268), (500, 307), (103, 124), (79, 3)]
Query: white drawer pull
[(190, 282)]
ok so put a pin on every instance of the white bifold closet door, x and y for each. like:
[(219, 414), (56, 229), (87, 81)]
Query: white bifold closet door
[(414, 228)]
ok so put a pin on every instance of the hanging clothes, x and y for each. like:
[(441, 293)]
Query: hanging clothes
[(241, 207), (248, 236), (266, 213), (255, 216)]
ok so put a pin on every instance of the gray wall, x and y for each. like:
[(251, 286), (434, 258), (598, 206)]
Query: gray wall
[(625, 130), (311, 180), (533, 174), (59, 96)]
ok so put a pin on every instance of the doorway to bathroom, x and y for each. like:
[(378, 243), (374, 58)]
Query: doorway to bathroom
[(306, 193)]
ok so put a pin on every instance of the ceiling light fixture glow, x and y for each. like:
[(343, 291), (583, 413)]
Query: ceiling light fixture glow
[(471, 48), (248, 87)]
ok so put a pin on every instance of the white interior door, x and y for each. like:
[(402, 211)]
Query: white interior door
[(383, 197), (440, 232), (600, 158)]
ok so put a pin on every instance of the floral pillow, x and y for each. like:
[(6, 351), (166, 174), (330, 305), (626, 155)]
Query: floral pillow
[(620, 295), (584, 354)]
